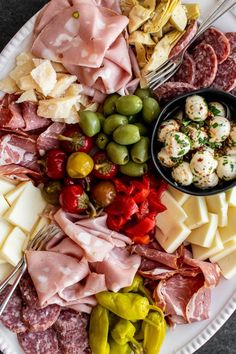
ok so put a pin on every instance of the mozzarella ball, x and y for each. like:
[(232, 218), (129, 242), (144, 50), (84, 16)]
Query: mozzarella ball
[(198, 137), (196, 108), (182, 174), (231, 151), (217, 109), (166, 127), (219, 129), (203, 163), (226, 168), (177, 144), (165, 159), (232, 136), (208, 181)]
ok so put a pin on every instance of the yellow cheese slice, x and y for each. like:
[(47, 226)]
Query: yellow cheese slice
[(196, 209), (217, 204), (174, 238), (40, 224), (12, 248), (203, 253), (6, 186), (204, 235), (229, 247), (231, 197), (228, 265), (15, 193), (179, 196), (228, 232), (5, 270), (5, 229), (3, 205)]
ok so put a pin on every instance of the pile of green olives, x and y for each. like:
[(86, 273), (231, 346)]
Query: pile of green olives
[(124, 133)]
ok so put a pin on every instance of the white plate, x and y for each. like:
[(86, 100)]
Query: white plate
[(185, 339)]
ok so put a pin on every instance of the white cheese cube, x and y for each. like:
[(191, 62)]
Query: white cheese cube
[(12, 248), (217, 204), (40, 224), (204, 235), (3, 205), (228, 265), (5, 270), (179, 196), (23, 58), (5, 229), (196, 209), (203, 253), (12, 196), (228, 232), (56, 108), (45, 76), (173, 239), (29, 95), (26, 210), (6, 186), (21, 70), (63, 83), (231, 197), (229, 247)]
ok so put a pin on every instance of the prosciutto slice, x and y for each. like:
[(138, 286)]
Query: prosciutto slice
[(48, 140), (31, 119), (10, 113)]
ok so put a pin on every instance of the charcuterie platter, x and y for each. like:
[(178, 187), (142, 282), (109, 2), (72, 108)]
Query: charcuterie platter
[(75, 139)]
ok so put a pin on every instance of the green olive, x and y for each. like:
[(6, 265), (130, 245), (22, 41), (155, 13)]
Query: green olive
[(133, 169), (143, 93), (118, 154), (129, 105), (89, 123), (101, 118), (151, 110), (114, 121), (132, 119), (51, 192), (140, 150), (109, 106), (101, 141), (126, 134), (143, 130)]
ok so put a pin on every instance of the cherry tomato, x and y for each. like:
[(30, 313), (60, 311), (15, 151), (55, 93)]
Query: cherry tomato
[(55, 164), (73, 199), (73, 140), (103, 167)]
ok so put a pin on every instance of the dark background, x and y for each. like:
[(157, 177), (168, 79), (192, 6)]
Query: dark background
[(13, 14)]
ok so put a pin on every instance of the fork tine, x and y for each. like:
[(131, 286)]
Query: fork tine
[(171, 71), (36, 237), (160, 70), (44, 238), (156, 84)]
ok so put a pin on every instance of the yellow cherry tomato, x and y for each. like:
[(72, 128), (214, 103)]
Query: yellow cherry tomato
[(79, 165)]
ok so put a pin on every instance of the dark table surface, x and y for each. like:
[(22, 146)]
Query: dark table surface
[(13, 14)]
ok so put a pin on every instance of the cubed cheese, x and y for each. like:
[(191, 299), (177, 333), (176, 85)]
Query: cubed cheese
[(217, 204), (45, 76), (8, 85), (56, 108), (229, 247), (5, 270), (3, 205), (21, 70), (63, 83), (29, 95), (228, 265), (173, 239), (228, 232), (40, 224), (23, 58), (5, 229), (26, 209), (204, 235), (203, 253), (179, 196), (27, 83), (196, 209), (6, 186), (231, 197), (12, 196), (12, 248)]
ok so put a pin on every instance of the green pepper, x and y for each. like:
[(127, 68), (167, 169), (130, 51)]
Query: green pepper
[(98, 330), (154, 335), (124, 332), (116, 348), (137, 286), (51, 192)]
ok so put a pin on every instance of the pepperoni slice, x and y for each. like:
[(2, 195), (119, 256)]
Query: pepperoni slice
[(226, 76)]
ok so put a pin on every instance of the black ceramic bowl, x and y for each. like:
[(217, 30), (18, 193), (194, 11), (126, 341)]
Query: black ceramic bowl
[(210, 95)]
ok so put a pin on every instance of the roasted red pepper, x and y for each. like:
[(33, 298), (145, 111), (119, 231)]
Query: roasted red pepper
[(115, 222), (123, 206), (73, 199), (142, 227), (55, 164), (73, 140), (142, 239), (103, 167)]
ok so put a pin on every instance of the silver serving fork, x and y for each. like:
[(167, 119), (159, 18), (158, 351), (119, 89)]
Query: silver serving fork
[(170, 67), (36, 244)]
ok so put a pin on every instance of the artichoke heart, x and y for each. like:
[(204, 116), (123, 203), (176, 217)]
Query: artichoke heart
[(141, 37), (127, 5), (137, 17)]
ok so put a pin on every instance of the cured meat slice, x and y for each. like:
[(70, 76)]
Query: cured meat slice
[(11, 317), (74, 342), (206, 65), (19, 173), (219, 42), (31, 119), (19, 150), (185, 39), (69, 320), (187, 71), (39, 342), (28, 291), (232, 40), (48, 140), (10, 113), (194, 310), (39, 320), (170, 90), (226, 75)]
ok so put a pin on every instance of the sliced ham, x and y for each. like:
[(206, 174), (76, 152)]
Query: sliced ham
[(31, 119), (48, 140), (10, 113)]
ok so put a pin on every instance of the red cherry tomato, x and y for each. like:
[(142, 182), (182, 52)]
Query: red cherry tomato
[(73, 140), (103, 167), (55, 164), (73, 199)]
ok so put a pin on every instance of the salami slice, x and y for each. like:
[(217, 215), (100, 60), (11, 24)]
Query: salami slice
[(170, 90), (232, 40), (28, 291), (39, 342), (185, 39), (219, 42), (233, 92), (39, 320), (226, 75), (187, 71), (206, 65), (73, 342), (11, 317), (68, 320)]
